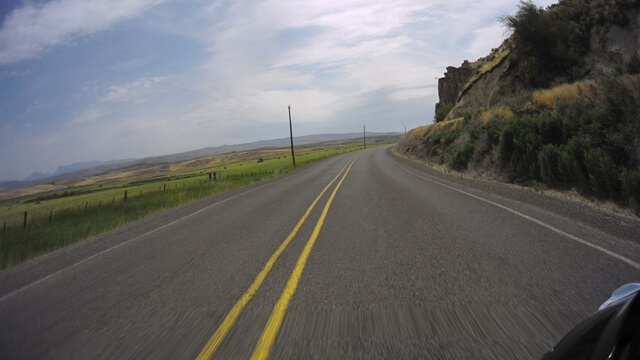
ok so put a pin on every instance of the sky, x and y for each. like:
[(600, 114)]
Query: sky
[(100, 80)]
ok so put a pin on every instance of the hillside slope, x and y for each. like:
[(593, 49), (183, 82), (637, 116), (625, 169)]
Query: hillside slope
[(566, 118)]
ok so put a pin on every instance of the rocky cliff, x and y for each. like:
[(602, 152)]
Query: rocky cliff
[(612, 48)]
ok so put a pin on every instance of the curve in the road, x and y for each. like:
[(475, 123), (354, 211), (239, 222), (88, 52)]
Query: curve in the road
[(624, 259)]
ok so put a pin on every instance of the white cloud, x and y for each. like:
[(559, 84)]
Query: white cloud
[(407, 94), (88, 115), (339, 64), (137, 91), (32, 29), (486, 39)]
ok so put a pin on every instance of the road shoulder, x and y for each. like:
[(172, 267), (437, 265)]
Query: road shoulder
[(616, 225)]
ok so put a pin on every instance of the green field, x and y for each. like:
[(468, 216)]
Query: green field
[(64, 216)]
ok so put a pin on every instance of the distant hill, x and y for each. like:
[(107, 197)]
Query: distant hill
[(73, 167), (275, 143), (97, 167)]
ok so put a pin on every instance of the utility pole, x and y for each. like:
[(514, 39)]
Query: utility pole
[(293, 156), (364, 135)]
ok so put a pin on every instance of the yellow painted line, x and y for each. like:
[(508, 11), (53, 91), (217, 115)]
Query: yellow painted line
[(275, 321), (231, 317)]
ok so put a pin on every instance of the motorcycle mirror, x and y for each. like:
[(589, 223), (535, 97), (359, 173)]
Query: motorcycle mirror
[(620, 293)]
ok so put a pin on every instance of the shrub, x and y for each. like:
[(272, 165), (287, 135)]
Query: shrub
[(443, 111), (631, 188), (603, 175), (546, 43), (633, 65), (549, 163), (572, 165), (459, 157), (519, 146)]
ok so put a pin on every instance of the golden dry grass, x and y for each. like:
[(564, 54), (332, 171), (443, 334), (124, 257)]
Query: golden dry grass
[(586, 91), (499, 111), (423, 131), (34, 189), (497, 59)]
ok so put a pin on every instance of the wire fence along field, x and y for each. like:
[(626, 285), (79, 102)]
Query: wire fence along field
[(47, 224), (214, 181)]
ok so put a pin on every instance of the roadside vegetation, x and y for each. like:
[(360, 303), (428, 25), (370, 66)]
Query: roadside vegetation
[(550, 45), (583, 136), (565, 123), (61, 217)]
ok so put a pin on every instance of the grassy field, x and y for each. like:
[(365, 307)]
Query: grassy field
[(85, 207)]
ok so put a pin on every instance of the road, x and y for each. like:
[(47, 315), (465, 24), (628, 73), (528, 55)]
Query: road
[(393, 261)]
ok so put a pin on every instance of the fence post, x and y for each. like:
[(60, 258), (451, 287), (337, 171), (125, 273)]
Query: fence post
[(165, 187), (85, 205), (50, 215), (24, 222), (209, 176), (214, 176), (125, 195), (113, 201)]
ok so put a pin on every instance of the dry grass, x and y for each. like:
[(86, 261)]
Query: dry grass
[(488, 66), (26, 191), (419, 132), (422, 131), (586, 92), (499, 111)]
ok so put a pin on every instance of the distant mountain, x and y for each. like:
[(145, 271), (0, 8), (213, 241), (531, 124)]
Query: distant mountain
[(65, 169), (92, 168), (36, 176), (275, 143)]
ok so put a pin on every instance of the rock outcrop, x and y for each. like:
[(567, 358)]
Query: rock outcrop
[(450, 86), (487, 81)]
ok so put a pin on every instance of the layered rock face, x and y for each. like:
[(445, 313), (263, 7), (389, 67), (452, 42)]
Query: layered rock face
[(451, 84), (487, 81)]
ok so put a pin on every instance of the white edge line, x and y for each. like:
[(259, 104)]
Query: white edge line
[(539, 222), (134, 239)]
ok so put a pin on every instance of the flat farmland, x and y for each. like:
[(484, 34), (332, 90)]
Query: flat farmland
[(70, 210)]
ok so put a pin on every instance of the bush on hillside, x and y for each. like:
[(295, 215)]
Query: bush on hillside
[(547, 43), (459, 157), (443, 111), (591, 147)]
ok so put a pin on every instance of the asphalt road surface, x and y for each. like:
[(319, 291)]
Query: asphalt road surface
[(391, 261)]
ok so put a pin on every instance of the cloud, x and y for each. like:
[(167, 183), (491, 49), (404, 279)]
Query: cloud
[(89, 115), (408, 94), (32, 29), (485, 38), (137, 91), (339, 64)]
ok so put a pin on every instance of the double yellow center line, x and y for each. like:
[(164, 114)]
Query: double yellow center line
[(275, 321)]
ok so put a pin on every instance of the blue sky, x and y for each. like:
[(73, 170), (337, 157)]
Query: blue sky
[(109, 79)]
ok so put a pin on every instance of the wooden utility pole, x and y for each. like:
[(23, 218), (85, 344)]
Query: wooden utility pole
[(293, 156), (364, 135)]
